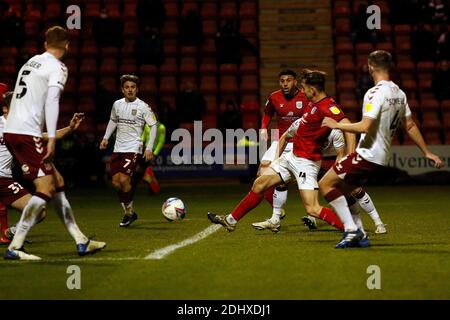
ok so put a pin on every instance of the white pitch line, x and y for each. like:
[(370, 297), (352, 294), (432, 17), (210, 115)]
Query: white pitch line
[(161, 253)]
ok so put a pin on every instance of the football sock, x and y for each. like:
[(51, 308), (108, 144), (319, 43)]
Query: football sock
[(126, 200), (250, 201), (354, 210), (3, 219), (367, 205), (279, 199), (339, 204), (65, 213), (28, 218), (331, 218), (269, 195)]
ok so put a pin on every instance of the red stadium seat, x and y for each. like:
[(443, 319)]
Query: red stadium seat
[(108, 66), (445, 106), (350, 105), (228, 84), (169, 67), (209, 120), (208, 66), (248, 9), (342, 27), (148, 85), (364, 48), (188, 65), (402, 29), (341, 11), (127, 66), (168, 85), (405, 66), (386, 46), (344, 48), (86, 104), (228, 68), (403, 48), (249, 65), (67, 106), (208, 48), (188, 51), (170, 47), (432, 137), (130, 10), (148, 70), (429, 104), (250, 120), (248, 28), (109, 52), (348, 67), (70, 88), (131, 29), (171, 10), (209, 10), (249, 84), (189, 6), (209, 28), (208, 84), (87, 85), (251, 105), (170, 29), (228, 10), (446, 119), (88, 66), (426, 66), (110, 83), (211, 102), (88, 49)]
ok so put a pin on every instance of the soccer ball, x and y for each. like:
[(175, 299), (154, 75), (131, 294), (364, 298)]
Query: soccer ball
[(173, 209)]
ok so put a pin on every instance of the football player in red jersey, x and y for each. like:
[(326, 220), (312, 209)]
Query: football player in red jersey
[(288, 104), (302, 163)]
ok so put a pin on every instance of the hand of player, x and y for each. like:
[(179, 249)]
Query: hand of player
[(103, 144), (76, 121), (148, 156), (263, 134), (437, 161), (329, 122), (50, 150)]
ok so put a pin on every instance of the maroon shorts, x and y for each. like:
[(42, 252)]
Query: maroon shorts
[(327, 163), (10, 191), (124, 162), (353, 169), (29, 152)]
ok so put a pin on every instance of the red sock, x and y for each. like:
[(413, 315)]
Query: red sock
[(268, 195), (331, 218), (250, 201), (3, 219)]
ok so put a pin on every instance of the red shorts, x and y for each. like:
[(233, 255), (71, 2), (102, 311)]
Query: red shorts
[(325, 165), (353, 169), (29, 152), (10, 191), (124, 162)]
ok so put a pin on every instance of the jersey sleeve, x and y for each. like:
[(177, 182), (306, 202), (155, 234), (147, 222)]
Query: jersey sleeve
[(333, 111), (149, 116), (338, 139), (407, 111), (372, 104), (290, 132), (113, 116), (58, 77), (269, 110)]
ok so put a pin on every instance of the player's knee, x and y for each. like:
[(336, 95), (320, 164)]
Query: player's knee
[(313, 210), (259, 185), (116, 183)]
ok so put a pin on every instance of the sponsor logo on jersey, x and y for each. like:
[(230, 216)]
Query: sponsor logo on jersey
[(335, 110), (368, 107), (313, 110), (299, 104)]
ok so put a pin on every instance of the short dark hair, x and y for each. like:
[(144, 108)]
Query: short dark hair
[(287, 72), (129, 77), (7, 97), (57, 37), (303, 74), (380, 59), (316, 79)]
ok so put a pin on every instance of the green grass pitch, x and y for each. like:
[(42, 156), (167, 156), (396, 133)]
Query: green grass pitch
[(246, 264)]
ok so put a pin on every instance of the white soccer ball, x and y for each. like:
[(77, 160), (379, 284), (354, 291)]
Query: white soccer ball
[(173, 209)]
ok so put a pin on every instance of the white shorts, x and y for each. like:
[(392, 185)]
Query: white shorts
[(271, 153), (304, 170)]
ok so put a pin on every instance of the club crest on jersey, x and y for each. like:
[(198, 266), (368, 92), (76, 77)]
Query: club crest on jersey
[(133, 112), (335, 110), (25, 169), (299, 104)]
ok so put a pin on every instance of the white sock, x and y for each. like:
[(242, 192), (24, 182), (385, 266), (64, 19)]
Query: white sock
[(341, 208), (354, 210), (65, 213), (231, 219), (128, 209), (29, 215), (279, 199), (367, 205)]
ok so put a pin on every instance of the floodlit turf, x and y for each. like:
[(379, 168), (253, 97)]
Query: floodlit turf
[(414, 258)]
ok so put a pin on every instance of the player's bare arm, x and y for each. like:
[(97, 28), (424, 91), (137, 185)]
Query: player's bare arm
[(362, 126), (350, 138), (75, 122), (414, 133), (340, 153)]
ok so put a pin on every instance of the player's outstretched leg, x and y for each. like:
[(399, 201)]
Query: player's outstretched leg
[(3, 224), (122, 183), (248, 203), (279, 195), (30, 213), (64, 210), (368, 206)]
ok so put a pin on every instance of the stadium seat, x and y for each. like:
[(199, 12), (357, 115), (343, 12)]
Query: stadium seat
[(169, 67), (228, 84), (92, 9), (345, 77), (88, 49), (108, 66), (130, 10), (67, 105), (209, 28), (249, 84), (342, 27), (87, 85), (403, 48), (150, 70), (170, 29), (350, 105), (171, 8), (170, 47), (405, 66), (251, 105), (445, 106), (429, 104), (346, 86), (227, 11), (189, 6), (344, 47), (426, 67), (402, 29), (250, 120), (208, 84), (346, 67), (188, 51), (128, 66), (168, 85), (409, 86), (248, 9), (188, 66), (228, 69), (88, 67), (209, 120), (109, 52), (209, 10), (341, 11), (148, 85), (430, 120), (86, 104), (248, 27), (208, 48), (387, 46), (208, 66), (110, 83), (446, 120), (211, 102), (433, 137), (249, 65), (364, 48), (70, 89)]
